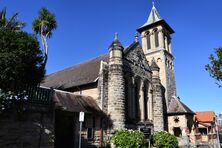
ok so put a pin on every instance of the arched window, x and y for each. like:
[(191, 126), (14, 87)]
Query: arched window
[(156, 38), (148, 40)]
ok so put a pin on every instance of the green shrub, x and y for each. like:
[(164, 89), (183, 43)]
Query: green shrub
[(128, 139), (164, 140)]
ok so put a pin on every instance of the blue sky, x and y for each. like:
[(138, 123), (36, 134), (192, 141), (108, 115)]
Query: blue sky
[(86, 28)]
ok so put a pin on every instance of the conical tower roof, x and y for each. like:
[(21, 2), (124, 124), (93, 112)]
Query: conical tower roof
[(153, 17), (153, 20), (116, 43)]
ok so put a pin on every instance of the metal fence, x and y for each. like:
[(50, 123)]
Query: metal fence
[(34, 94)]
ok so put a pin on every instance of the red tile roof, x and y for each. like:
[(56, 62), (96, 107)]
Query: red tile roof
[(205, 116)]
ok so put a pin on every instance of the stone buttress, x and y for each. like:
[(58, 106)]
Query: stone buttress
[(158, 103)]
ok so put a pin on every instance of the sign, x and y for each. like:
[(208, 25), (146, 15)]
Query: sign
[(147, 132), (81, 116)]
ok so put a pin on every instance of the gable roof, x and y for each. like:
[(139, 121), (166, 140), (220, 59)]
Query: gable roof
[(83, 73), (80, 74), (135, 55), (178, 107), (205, 116)]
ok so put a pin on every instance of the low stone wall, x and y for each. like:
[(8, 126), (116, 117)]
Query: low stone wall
[(26, 130)]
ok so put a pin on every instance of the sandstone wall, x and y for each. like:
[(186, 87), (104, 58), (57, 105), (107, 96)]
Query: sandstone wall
[(93, 92), (26, 129)]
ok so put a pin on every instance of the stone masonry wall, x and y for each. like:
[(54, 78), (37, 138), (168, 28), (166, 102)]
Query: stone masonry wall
[(116, 96), (166, 73), (26, 130), (158, 112), (170, 78), (103, 87)]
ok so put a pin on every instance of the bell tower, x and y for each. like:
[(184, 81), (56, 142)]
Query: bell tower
[(156, 44)]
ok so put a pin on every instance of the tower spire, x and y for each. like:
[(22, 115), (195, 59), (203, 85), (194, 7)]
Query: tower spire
[(116, 43), (116, 36), (136, 37), (153, 16)]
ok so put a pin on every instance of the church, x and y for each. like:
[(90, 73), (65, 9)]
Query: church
[(130, 87)]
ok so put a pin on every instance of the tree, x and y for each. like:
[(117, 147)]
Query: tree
[(44, 25), (215, 66), (20, 59), (12, 23)]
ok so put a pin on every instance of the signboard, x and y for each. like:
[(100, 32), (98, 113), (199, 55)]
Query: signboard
[(81, 116), (146, 131)]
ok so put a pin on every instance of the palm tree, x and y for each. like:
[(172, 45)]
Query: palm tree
[(12, 23), (43, 25)]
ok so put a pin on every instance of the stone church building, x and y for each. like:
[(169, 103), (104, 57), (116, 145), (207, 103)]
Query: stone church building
[(133, 86)]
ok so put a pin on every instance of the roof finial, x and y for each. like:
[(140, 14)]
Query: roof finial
[(136, 37), (116, 36), (153, 4)]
